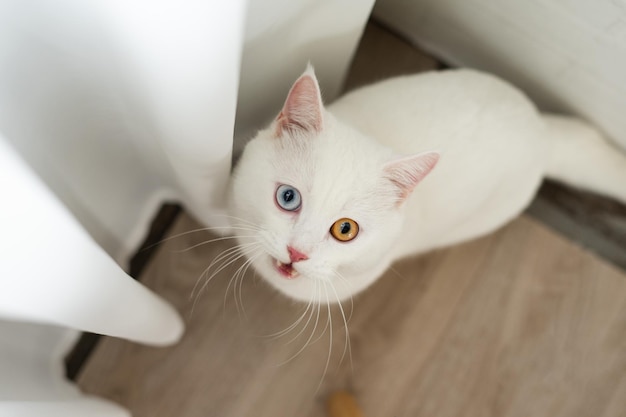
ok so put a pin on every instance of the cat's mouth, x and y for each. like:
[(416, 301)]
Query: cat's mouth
[(286, 270)]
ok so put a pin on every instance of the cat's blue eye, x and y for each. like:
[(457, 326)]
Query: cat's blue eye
[(288, 198)]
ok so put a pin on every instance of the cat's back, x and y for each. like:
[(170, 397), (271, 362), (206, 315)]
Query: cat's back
[(430, 109), (487, 132)]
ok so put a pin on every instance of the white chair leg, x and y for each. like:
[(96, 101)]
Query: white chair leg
[(32, 377), (51, 271)]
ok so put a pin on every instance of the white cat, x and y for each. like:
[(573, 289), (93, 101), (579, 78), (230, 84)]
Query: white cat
[(397, 168)]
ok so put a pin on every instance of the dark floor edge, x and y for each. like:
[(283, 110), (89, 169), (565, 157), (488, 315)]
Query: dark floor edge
[(593, 222), (441, 65), (159, 226)]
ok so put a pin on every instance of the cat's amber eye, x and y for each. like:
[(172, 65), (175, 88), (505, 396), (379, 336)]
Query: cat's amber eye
[(344, 230)]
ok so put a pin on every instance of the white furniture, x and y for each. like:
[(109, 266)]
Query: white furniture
[(51, 271), (107, 109), (119, 105), (32, 382)]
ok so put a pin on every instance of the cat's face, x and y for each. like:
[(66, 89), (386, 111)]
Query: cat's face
[(319, 205)]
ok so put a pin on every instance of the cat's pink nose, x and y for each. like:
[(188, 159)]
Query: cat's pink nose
[(295, 255)]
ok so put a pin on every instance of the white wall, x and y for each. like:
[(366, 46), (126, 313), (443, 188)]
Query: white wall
[(569, 55)]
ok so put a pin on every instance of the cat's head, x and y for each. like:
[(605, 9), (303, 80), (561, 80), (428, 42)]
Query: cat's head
[(319, 205)]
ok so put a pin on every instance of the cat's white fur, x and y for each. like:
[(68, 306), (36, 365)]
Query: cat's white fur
[(490, 145)]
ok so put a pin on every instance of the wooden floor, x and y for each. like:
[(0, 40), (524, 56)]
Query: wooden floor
[(520, 323)]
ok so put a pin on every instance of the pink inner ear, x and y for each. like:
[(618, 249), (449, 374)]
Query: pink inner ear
[(405, 173), (303, 108)]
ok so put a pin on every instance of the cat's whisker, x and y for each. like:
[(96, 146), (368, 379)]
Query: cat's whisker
[(347, 348), (167, 239), (250, 228), (242, 220), (245, 270), (227, 252), (330, 338), (395, 271), (348, 284), (225, 256), (306, 325), (206, 242), (208, 280), (319, 304), (233, 257), (251, 257), (235, 254), (307, 343), (226, 296), (293, 325)]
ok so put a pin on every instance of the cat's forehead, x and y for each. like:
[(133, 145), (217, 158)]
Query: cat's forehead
[(332, 171)]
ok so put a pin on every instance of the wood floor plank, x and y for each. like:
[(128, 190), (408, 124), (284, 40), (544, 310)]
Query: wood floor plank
[(518, 323)]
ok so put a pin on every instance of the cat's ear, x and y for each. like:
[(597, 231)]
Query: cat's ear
[(406, 172), (302, 110)]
